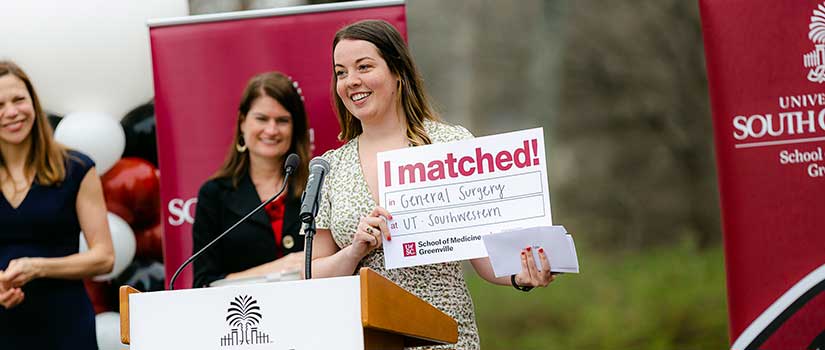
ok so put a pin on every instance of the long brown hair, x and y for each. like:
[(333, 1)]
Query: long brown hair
[(394, 51), (281, 88), (46, 156)]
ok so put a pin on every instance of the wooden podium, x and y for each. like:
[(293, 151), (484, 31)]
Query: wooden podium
[(356, 312)]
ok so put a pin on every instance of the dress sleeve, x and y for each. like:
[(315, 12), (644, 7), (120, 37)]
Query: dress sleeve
[(78, 164), (462, 133), (207, 268)]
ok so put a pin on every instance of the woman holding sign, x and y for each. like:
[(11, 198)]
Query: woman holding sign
[(381, 106)]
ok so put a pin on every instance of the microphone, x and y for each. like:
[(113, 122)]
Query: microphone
[(318, 169), (290, 164)]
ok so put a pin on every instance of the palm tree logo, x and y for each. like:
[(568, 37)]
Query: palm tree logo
[(243, 313), (815, 60)]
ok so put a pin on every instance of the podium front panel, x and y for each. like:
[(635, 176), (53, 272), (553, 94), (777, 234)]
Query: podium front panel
[(297, 315)]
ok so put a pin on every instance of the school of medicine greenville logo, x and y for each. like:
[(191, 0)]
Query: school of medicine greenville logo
[(815, 60), (409, 249), (243, 316)]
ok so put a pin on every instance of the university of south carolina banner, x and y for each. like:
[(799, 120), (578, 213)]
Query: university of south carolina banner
[(766, 72), (201, 65)]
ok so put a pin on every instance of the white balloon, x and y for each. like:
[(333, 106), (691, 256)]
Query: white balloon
[(123, 240), (107, 327), (85, 54), (99, 136)]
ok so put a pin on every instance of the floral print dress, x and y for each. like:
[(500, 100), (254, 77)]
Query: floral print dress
[(346, 198)]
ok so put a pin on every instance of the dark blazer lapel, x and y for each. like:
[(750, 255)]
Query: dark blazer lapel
[(245, 199), (292, 224)]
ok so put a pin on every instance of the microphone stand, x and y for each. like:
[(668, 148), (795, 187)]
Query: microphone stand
[(309, 234), (196, 255), (308, 212)]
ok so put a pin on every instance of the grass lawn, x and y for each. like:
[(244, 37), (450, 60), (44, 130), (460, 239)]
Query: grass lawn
[(664, 298)]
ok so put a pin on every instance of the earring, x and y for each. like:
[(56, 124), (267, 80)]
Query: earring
[(240, 146)]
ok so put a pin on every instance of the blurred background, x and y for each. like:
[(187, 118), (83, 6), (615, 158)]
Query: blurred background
[(619, 88)]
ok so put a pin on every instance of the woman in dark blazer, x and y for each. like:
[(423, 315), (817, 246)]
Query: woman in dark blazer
[(271, 124)]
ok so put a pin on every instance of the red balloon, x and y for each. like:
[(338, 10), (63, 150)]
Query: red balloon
[(101, 295), (132, 191), (150, 243)]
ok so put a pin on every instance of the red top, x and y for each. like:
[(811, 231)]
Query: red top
[(275, 210)]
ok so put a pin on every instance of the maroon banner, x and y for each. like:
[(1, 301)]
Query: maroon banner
[(201, 65), (766, 72)]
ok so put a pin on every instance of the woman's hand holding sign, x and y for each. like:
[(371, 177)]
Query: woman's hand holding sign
[(371, 231)]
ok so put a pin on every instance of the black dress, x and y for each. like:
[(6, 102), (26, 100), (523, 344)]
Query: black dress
[(56, 313), (250, 244)]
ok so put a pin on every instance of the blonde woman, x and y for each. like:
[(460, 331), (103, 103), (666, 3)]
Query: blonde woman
[(49, 195)]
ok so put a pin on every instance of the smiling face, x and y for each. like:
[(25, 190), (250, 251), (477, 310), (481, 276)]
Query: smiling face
[(16, 110), (364, 82), (267, 130)]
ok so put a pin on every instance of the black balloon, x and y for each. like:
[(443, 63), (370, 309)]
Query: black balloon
[(143, 275), (140, 127), (54, 119)]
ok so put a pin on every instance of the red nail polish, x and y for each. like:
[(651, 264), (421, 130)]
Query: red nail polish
[(528, 248), (522, 253), (541, 250), (389, 238)]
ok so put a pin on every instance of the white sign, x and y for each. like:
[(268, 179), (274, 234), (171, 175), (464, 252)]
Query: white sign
[(444, 197), (248, 317)]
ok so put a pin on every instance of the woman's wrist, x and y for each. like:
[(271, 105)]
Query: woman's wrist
[(36, 266), (353, 254), (517, 286)]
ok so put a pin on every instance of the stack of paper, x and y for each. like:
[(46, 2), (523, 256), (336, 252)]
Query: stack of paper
[(504, 249)]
